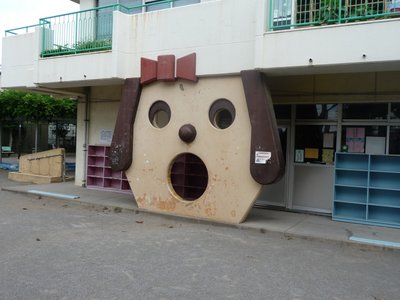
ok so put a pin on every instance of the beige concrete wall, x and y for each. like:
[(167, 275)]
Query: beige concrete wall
[(222, 33), (41, 167), (231, 190), (104, 104), (46, 163), (20, 55)]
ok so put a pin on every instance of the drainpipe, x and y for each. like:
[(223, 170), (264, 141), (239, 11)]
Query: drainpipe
[(36, 136), (86, 139), (19, 138), (1, 144)]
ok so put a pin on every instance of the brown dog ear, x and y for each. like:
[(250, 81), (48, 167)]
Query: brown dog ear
[(122, 141), (267, 164)]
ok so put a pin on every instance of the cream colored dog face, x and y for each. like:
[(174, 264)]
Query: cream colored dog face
[(202, 172)]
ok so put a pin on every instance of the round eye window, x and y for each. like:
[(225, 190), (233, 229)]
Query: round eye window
[(222, 113), (159, 114)]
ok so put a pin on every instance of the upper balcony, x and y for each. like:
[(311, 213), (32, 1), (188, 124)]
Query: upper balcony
[(288, 14), (330, 36)]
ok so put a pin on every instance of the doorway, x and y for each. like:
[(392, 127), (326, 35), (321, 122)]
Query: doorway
[(277, 194)]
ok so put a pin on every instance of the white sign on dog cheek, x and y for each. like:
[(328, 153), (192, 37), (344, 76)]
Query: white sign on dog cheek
[(262, 157)]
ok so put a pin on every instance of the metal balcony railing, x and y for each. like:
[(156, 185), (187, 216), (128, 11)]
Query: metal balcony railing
[(287, 14), (83, 31), (21, 30), (87, 30)]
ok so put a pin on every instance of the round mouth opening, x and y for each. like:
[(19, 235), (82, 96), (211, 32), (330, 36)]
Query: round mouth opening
[(188, 176)]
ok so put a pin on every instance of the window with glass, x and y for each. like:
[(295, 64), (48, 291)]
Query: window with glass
[(104, 19), (132, 3), (184, 2), (394, 140), (105, 15), (315, 144), (365, 111), (106, 2), (175, 3), (395, 111), (283, 112), (152, 4), (364, 139), (282, 13), (372, 128), (317, 112), (371, 133)]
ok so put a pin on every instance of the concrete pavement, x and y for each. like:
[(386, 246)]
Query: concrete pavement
[(60, 249), (288, 224)]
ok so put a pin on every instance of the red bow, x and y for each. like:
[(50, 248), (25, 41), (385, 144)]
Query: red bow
[(164, 68)]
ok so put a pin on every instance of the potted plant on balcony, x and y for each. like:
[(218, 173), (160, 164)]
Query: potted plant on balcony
[(330, 11)]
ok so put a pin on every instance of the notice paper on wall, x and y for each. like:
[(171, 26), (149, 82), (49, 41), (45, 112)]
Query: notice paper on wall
[(262, 157), (311, 153), (327, 156), (375, 145), (106, 136), (328, 140), (355, 139), (299, 155)]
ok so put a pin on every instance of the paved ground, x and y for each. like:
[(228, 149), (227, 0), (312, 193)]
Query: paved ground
[(55, 249)]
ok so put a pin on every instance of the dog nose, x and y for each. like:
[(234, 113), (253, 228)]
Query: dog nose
[(187, 133)]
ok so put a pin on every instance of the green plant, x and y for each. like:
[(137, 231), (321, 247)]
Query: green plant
[(94, 44), (330, 11), (366, 10), (79, 47)]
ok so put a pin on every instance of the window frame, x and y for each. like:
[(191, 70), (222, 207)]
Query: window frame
[(144, 2)]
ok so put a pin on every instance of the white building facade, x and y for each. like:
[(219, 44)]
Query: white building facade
[(333, 72)]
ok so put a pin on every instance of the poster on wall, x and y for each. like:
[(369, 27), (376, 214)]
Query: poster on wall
[(355, 139)]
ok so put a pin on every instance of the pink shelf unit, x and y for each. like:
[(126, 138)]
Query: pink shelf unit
[(100, 176)]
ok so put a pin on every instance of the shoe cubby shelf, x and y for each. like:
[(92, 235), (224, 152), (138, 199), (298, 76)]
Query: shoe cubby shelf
[(99, 172), (367, 189)]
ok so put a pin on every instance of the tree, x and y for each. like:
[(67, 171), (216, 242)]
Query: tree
[(33, 107), (8, 101)]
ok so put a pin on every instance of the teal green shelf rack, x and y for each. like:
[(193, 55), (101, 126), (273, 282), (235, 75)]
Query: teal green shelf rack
[(367, 189)]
